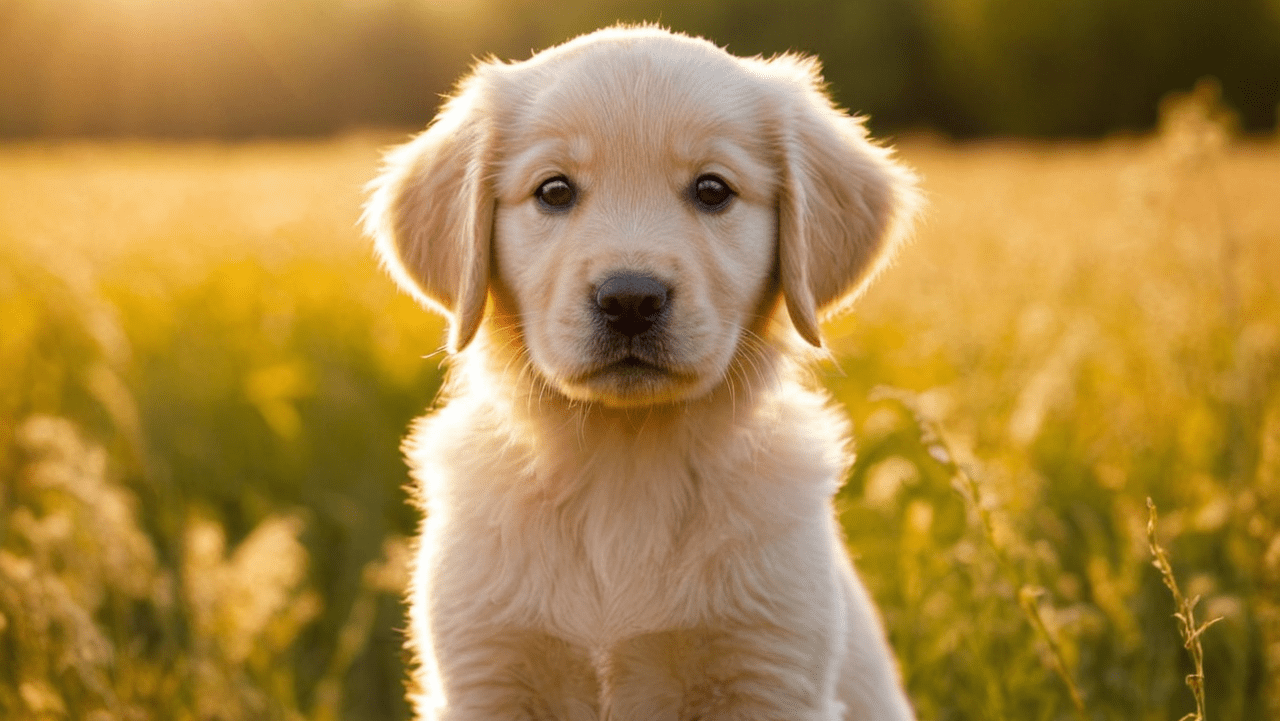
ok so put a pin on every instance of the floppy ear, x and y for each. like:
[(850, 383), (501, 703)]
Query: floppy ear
[(430, 213), (844, 204)]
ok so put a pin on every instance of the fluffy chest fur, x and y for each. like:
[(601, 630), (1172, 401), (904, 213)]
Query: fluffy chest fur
[(599, 527)]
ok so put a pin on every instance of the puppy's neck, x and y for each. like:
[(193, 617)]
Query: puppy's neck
[(556, 452)]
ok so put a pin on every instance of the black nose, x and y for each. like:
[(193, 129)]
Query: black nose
[(631, 303)]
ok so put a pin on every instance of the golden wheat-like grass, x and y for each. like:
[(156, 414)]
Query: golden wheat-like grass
[(214, 527)]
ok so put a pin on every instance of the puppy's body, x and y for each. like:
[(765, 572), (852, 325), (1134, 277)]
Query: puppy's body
[(628, 491)]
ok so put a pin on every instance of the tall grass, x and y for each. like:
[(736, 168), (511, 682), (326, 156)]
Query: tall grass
[(204, 377), (1085, 326), (210, 322)]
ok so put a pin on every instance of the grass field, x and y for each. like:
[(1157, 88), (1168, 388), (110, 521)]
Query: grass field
[(203, 379)]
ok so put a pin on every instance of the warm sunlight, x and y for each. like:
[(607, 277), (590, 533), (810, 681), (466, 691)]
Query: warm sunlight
[(1070, 371), (234, 66)]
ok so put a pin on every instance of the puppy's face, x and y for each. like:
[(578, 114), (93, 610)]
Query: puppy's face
[(635, 203), (635, 233)]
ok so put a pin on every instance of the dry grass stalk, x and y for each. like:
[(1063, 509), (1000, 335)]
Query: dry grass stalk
[(1185, 614), (940, 450)]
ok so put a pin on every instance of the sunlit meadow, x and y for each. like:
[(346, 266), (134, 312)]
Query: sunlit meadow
[(204, 378)]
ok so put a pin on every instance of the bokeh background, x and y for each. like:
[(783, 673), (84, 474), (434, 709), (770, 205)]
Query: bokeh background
[(968, 68), (204, 376)]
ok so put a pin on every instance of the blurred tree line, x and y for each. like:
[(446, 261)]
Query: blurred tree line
[(240, 68)]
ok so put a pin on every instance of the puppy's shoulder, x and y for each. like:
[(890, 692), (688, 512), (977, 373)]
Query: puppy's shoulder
[(461, 437), (806, 424)]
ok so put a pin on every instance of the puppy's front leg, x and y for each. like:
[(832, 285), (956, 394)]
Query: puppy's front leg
[(869, 686), (510, 676), (721, 675)]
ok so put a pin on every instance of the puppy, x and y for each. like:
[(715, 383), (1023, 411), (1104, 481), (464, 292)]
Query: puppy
[(628, 491)]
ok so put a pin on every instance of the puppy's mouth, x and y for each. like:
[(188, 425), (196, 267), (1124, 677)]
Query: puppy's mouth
[(630, 380), (630, 366)]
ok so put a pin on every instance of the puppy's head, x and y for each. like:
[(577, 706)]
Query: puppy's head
[(635, 203)]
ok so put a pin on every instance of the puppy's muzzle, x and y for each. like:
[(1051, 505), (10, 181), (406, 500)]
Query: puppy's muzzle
[(631, 304)]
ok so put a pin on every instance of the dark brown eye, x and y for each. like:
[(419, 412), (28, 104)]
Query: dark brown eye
[(556, 193), (711, 193)]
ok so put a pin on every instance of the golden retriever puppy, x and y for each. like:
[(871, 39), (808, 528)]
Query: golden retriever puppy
[(628, 489)]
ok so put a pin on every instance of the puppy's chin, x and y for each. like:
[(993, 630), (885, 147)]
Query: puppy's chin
[(633, 383)]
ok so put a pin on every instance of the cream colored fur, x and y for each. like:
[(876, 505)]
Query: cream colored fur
[(603, 542)]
